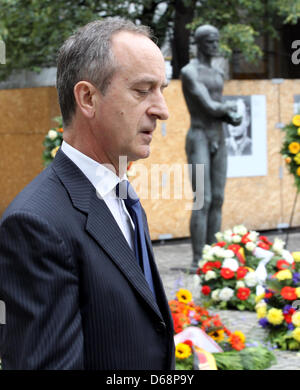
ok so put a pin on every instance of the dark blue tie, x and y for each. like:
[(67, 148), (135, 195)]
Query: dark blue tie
[(125, 191)]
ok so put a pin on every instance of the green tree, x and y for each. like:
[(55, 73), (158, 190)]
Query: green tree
[(33, 30)]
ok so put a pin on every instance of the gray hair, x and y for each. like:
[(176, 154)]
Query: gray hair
[(87, 55)]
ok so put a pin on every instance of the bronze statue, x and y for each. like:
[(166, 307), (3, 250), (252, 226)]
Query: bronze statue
[(202, 86)]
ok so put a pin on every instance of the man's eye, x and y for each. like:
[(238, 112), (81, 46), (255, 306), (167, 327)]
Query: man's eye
[(142, 92)]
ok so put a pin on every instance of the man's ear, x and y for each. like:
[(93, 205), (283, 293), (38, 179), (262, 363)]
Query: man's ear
[(86, 95)]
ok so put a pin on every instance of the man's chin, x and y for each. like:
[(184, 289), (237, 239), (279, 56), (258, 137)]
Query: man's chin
[(141, 154)]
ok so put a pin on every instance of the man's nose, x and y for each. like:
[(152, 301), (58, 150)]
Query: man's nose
[(159, 108)]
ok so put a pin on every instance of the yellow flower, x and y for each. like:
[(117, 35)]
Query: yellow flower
[(184, 296), (298, 292), (261, 311), (298, 171), (294, 147), (241, 335), (296, 120), (284, 274), (297, 158), (183, 351), (275, 316), (217, 335), (296, 334), (296, 318), (54, 151), (296, 256), (250, 269), (258, 298)]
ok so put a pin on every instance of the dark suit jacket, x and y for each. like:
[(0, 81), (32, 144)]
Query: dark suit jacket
[(75, 296)]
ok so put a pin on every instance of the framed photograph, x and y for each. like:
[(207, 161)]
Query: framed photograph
[(247, 143)]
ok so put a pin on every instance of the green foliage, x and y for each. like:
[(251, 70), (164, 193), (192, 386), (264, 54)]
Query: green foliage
[(185, 364), (33, 30), (250, 358)]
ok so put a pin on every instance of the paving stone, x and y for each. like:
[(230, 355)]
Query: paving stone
[(173, 260)]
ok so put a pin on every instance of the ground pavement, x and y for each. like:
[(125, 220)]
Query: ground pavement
[(173, 257)]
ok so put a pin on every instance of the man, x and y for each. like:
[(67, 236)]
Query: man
[(75, 295), (238, 143), (202, 86)]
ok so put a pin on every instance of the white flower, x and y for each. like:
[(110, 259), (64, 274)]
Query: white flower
[(196, 281), (52, 134), (260, 304), (228, 253), (218, 251), (228, 237), (226, 294), (206, 249), (210, 275), (240, 284), (278, 246), (250, 246), (251, 279), (231, 264), (236, 238), (240, 229), (253, 235), (228, 232), (201, 263), (215, 295), (219, 236), (208, 257)]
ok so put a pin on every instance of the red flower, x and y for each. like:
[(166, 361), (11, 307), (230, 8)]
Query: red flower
[(217, 322), (180, 321), (245, 238), (234, 247), (263, 245), (265, 240), (268, 295), (282, 264), (217, 264), (207, 266), (188, 342), (243, 293), (288, 318), (236, 342), (227, 331), (221, 244), (205, 290), (289, 293), (241, 272), (198, 272), (226, 273)]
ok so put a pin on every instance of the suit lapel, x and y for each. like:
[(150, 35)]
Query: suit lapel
[(102, 226)]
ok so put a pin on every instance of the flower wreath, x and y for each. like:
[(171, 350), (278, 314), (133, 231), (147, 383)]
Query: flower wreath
[(236, 355), (227, 270), (291, 148), (278, 307)]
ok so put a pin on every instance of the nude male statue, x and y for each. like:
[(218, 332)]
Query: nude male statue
[(202, 86)]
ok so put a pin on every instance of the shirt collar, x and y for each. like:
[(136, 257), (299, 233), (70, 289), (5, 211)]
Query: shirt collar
[(102, 178)]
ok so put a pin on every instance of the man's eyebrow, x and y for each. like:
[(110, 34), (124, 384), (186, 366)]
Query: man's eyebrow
[(149, 80)]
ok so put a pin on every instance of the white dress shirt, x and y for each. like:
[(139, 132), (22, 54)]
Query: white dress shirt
[(104, 180)]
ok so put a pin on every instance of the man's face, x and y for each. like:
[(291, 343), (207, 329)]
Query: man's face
[(127, 113), (239, 131), (209, 44)]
